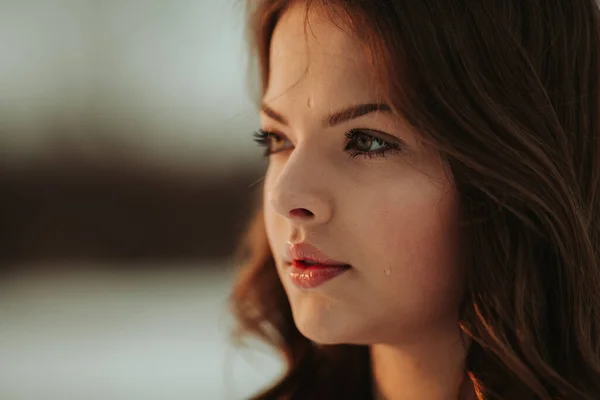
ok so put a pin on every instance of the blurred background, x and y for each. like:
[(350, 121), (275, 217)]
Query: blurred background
[(127, 174)]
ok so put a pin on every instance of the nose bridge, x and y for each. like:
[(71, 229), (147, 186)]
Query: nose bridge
[(301, 190)]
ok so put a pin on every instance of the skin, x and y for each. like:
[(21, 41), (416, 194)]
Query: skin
[(395, 212)]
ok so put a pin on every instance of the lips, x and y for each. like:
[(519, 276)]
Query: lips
[(310, 267), (313, 277), (307, 256)]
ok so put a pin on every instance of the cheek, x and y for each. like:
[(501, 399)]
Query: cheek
[(270, 217), (275, 224), (413, 236)]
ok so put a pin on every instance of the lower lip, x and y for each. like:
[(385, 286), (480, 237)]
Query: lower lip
[(311, 276)]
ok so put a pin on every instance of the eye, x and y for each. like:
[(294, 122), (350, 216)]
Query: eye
[(362, 143), (271, 141)]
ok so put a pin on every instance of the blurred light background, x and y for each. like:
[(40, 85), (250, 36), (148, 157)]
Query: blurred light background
[(126, 172)]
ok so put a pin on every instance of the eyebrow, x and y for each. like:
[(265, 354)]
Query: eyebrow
[(336, 118)]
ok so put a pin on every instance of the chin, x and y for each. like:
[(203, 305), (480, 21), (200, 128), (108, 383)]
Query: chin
[(322, 335), (327, 325)]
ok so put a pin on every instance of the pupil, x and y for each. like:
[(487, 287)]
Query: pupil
[(275, 141), (364, 143)]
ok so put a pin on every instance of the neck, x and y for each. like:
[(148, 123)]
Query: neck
[(430, 369)]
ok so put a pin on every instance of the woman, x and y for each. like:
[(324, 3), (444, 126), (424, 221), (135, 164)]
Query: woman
[(430, 225)]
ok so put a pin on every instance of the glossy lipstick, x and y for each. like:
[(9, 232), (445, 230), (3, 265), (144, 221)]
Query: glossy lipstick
[(309, 267)]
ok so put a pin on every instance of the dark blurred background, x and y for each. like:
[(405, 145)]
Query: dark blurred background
[(127, 174)]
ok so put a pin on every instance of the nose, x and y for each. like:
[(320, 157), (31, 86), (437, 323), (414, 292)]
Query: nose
[(301, 192)]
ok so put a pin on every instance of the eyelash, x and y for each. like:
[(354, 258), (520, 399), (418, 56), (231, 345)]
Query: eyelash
[(262, 138)]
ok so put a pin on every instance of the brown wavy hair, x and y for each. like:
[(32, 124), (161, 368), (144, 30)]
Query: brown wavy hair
[(508, 91)]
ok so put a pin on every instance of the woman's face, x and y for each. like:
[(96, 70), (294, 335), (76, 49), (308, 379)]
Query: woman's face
[(391, 216)]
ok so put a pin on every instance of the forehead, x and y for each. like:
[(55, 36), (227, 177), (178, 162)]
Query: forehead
[(316, 56)]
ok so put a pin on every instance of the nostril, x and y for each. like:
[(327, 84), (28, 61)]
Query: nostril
[(301, 212)]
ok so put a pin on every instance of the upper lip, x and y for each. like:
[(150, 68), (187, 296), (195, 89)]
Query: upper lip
[(308, 252)]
